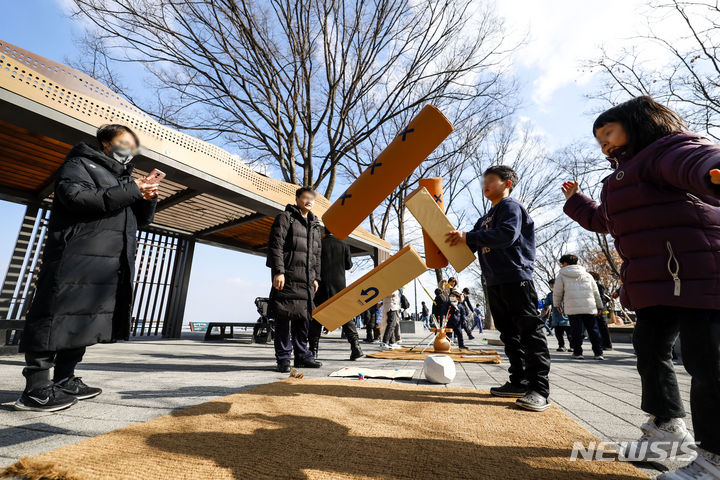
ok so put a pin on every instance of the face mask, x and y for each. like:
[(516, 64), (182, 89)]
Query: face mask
[(454, 302), (121, 154)]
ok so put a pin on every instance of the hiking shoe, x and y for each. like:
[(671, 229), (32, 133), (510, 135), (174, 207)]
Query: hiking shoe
[(509, 390), (77, 388), (577, 357), (705, 467), (533, 401), (561, 349), (599, 357), (307, 363), (670, 436), (45, 399), (283, 366)]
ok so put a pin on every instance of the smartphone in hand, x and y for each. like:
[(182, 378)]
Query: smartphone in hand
[(155, 176)]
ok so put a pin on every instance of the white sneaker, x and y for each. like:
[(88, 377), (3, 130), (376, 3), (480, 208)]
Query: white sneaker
[(384, 346), (395, 346), (671, 437), (705, 467)]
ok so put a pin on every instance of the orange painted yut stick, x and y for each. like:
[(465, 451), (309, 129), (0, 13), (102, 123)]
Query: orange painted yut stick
[(433, 256), (408, 150)]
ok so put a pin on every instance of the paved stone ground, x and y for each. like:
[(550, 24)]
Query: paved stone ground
[(146, 378)]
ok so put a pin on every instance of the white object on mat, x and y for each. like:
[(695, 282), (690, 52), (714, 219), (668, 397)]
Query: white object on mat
[(369, 372), (439, 369)]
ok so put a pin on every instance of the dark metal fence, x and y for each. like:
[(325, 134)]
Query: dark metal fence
[(162, 276)]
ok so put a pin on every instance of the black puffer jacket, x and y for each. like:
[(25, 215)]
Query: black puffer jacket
[(335, 259), (294, 250), (84, 290)]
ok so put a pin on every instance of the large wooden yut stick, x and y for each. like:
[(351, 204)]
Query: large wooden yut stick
[(433, 256), (434, 222), (408, 150), (370, 289)]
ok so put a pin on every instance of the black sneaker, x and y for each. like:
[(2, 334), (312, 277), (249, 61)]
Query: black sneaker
[(533, 401), (307, 363), (45, 399), (471, 337), (283, 366), (76, 387), (509, 391)]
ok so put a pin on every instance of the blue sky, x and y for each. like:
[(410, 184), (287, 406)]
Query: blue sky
[(561, 34)]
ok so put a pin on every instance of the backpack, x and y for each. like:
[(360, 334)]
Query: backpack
[(404, 303)]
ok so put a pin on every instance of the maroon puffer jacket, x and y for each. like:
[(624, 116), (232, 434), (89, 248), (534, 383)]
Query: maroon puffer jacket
[(664, 214)]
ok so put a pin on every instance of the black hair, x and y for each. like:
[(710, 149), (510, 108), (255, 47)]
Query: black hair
[(107, 132), (505, 173), (466, 290), (438, 291), (595, 275), (302, 190), (644, 121), (569, 258), (552, 280), (477, 304)]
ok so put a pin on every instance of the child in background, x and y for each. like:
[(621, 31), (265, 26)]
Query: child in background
[(477, 317), (454, 310), (505, 241), (559, 322), (661, 206)]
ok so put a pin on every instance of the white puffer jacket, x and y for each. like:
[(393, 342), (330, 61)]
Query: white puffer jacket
[(391, 303), (576, 291)]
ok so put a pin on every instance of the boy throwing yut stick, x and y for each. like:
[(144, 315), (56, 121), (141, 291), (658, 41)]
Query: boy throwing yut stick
[(505, 242)]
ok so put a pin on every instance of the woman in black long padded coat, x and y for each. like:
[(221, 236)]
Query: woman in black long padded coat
[(84, 290)]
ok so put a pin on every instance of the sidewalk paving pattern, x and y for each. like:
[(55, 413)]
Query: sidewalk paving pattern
[(146, 378)]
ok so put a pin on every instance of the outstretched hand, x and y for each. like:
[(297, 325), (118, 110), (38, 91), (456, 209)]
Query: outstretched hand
[(715, 176), (571, 188)]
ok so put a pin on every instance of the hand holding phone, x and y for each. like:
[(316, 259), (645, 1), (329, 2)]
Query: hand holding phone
[(155, 176)]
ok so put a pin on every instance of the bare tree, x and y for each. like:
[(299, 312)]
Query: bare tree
[(548, 252), (688, 82), (516, 145), (583, 164), (297, 85)]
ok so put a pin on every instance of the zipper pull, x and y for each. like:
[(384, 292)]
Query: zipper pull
[(674, 272)]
